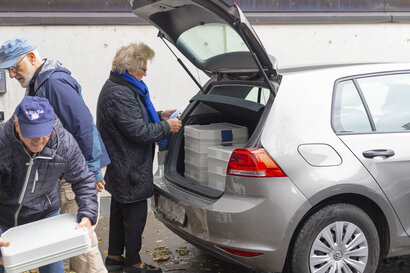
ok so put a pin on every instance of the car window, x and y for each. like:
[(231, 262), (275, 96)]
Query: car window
[(210, 40), (349, 114), (388, 98), (259, 95), (246, 92)]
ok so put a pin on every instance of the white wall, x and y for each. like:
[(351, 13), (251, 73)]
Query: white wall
[(88, 51)]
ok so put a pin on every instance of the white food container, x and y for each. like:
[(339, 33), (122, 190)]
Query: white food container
[(198, 174), (218, 157), (43, 242), (199, 137)]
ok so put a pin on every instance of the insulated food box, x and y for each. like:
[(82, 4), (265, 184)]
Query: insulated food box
[(43, 242), (218, 159), (198, 138)]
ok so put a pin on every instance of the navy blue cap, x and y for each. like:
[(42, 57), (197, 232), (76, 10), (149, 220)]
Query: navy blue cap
[(12, 49), (35, 117)]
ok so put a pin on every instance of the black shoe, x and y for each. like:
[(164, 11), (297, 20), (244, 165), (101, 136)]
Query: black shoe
[(145, 268), (114, 265)]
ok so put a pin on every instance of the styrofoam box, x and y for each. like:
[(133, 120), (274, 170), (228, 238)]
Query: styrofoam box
[(197, 159), (218, 157), (213, 131), (216, 181), (223, 152), (199, 137), (43, 242), (198, 174)]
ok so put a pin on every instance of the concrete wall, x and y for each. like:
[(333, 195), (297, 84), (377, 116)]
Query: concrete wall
[(88, 51)]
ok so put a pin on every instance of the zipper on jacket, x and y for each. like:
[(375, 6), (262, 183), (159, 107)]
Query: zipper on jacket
[(35, 181), (48, 198), (30, 165)]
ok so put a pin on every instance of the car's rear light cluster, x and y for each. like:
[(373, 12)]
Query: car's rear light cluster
[(255, 162), (241, 252)]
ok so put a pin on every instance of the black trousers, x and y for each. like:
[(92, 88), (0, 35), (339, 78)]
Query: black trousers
[(127, 222)]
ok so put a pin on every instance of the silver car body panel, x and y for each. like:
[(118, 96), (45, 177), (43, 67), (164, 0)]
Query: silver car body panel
[(250, 216), (393, 173), (301, 114)]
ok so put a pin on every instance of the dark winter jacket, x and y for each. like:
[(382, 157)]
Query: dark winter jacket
[(55, 83), (29, 188), (130, 140)]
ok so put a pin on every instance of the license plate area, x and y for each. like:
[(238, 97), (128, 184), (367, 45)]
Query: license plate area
[(170, 210)]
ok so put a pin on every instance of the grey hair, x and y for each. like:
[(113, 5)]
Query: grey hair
[(132, 57)]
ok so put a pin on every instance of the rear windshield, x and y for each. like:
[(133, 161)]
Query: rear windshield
[(210, 40), (247, 92)]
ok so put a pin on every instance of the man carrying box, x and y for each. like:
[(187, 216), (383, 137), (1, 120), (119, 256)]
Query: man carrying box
[(35, 152)]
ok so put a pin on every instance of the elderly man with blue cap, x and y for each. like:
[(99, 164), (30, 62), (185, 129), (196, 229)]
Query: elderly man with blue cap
[(49, 79), (35, 152)]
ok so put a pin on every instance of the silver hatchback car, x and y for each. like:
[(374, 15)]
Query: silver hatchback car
[(322, 184)]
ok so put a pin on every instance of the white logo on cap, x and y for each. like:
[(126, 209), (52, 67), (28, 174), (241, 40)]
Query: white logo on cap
[(34, 114)]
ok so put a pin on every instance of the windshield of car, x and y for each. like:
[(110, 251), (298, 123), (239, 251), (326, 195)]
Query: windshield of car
[(209, 40)]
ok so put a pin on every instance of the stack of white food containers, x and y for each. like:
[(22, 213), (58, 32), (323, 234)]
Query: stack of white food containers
[(218, 159), (198, 138), (43, 242)]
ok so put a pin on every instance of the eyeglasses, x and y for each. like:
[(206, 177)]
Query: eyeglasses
[(143, 70), (14, 67)]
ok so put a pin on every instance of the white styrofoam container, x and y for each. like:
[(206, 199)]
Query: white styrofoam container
[(199, 137), (214, 131), (217, 166), (198, 174), (218, 157), (199, 160), (216, 181), (223, 152), (43, 242)]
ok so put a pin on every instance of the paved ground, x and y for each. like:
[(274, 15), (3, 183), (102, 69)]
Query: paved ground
[(180, 256)]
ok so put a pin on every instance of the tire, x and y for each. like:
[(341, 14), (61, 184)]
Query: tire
[(317, 248)]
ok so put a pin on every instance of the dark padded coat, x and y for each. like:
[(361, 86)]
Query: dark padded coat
[(25, 200), (130, 140)]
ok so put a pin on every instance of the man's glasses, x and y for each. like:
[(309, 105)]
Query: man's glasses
[(14, 67), (143, 70)]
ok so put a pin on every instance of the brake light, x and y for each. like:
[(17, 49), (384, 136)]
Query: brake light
[(253, 163), (240, 252)]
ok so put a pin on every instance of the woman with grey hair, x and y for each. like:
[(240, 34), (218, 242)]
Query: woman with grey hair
[(130, 126)]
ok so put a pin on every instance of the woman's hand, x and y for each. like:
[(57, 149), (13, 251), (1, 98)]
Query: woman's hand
[(174, 125), (165, 114)]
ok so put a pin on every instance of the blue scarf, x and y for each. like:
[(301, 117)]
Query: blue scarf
[(142, 88)]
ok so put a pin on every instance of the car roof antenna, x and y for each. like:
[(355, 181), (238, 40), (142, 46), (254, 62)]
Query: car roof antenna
[(160, 35)]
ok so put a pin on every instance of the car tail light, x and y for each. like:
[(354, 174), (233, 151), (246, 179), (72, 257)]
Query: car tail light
[(253, 163), (241, 252)]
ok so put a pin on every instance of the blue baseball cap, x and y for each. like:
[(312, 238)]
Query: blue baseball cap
[(35, 117), (12, 49)]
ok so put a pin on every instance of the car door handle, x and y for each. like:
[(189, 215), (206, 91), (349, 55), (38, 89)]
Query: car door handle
[(378, 152)]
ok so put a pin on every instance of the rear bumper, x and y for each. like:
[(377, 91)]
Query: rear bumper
[(261, 221)]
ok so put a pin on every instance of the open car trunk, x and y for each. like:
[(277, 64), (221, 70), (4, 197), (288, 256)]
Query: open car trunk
[(235, 104)]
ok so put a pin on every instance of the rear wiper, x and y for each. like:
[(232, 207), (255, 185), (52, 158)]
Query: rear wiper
[(160, 35)]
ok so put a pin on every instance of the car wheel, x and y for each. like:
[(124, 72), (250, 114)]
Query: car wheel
[(339, 238)]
